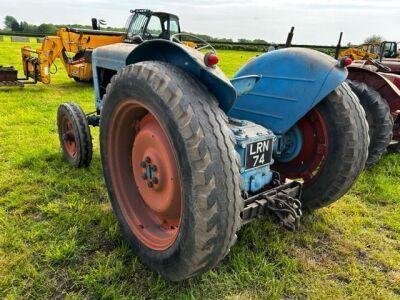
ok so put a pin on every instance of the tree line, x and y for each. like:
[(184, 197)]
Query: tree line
[(13, 25)]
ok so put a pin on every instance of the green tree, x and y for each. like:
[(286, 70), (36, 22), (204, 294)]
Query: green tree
[(15, 26), (9, 21), (260, 41), (374, 39), (46, 28), (244, 40)]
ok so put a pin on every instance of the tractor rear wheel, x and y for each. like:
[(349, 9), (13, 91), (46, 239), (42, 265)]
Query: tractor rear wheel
[(170, 168), (74, 134), (335, 148), (379, 119)]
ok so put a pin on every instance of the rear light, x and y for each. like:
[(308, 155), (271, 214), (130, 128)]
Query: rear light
[(211, 59), (345, 61)]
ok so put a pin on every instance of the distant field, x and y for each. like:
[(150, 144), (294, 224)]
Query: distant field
[(60, 239)]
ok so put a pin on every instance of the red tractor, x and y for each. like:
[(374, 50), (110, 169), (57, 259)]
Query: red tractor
[(379, 92), (377, 85)]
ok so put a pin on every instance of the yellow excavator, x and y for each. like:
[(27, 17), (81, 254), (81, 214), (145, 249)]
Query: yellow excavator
[(74, 47), (385, 50), (365, 51)]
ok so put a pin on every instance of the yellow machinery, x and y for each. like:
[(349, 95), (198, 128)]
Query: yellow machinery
[(72, 46), (363, 52), (80, 42), (386, 50), (75, 46)]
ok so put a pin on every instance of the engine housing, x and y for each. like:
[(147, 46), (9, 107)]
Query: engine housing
[(254, 145)]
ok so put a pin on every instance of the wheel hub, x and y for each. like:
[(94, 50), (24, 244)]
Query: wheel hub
[(310, 160), (144, 170), (155, 171), (68, 137)]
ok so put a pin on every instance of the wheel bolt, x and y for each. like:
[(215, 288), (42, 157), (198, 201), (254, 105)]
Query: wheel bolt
[(144, 176), (143, 164), (147, 159), (155, 180), (150, 184)]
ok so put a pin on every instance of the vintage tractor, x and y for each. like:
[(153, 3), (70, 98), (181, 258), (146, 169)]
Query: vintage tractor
[(379, 92), (188, 156), (377, 85)]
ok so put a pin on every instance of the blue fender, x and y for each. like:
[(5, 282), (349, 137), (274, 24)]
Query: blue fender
[(117, 56), (278, 88)]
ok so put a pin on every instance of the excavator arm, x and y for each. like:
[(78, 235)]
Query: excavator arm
[(37, 62), (78, 42)]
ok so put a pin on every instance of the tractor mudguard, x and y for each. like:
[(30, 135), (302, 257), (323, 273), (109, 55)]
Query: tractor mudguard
[(278, 88), (117, 56)]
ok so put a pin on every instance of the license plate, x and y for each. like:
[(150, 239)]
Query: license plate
[(258, 154)]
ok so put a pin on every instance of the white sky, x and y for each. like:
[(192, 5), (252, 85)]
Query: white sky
[(316, 21)]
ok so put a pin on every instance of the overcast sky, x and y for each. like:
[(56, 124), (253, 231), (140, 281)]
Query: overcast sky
[(316, 21)]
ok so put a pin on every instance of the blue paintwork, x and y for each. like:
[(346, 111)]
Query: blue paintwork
[(117, 56), (291, 82), (273, 90), (246, 133), (244, 84), (289, 145), (111, 57)]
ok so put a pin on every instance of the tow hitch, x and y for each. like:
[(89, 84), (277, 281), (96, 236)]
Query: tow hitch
[(281, 202)]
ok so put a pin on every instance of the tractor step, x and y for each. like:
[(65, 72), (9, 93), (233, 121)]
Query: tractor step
[(281, 202)]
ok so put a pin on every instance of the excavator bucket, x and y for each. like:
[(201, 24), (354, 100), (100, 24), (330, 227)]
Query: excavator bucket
[(9, 77)]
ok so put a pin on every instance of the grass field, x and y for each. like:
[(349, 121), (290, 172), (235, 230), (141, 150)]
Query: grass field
[(60, 239)]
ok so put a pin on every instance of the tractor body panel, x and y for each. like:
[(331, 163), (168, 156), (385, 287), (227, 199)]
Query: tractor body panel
[(116, 56), (278, 88)]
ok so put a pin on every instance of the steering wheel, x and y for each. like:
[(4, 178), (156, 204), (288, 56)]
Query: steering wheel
[(379, 65), (148, 35), (201, 44)]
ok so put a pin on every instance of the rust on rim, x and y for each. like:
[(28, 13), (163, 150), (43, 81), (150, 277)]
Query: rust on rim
[(68, 137), (309, 163), (145, 176)]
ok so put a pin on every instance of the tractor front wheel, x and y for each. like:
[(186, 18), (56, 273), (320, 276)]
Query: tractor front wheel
[(170, 168), (74, 134), (334, 149)]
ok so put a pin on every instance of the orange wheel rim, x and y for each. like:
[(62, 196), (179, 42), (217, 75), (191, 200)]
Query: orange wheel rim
[(68, 136), (145, 175)]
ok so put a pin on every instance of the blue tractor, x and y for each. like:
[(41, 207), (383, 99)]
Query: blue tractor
[(189, 156)]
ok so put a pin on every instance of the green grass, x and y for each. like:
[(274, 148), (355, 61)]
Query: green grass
[(59, 237)]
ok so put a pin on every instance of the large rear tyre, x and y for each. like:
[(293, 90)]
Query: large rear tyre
[(379, 120), (335, 148), (170, 168), (74, 135)]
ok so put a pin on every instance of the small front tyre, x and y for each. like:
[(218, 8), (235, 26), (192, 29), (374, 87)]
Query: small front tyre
[(74, 135)]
